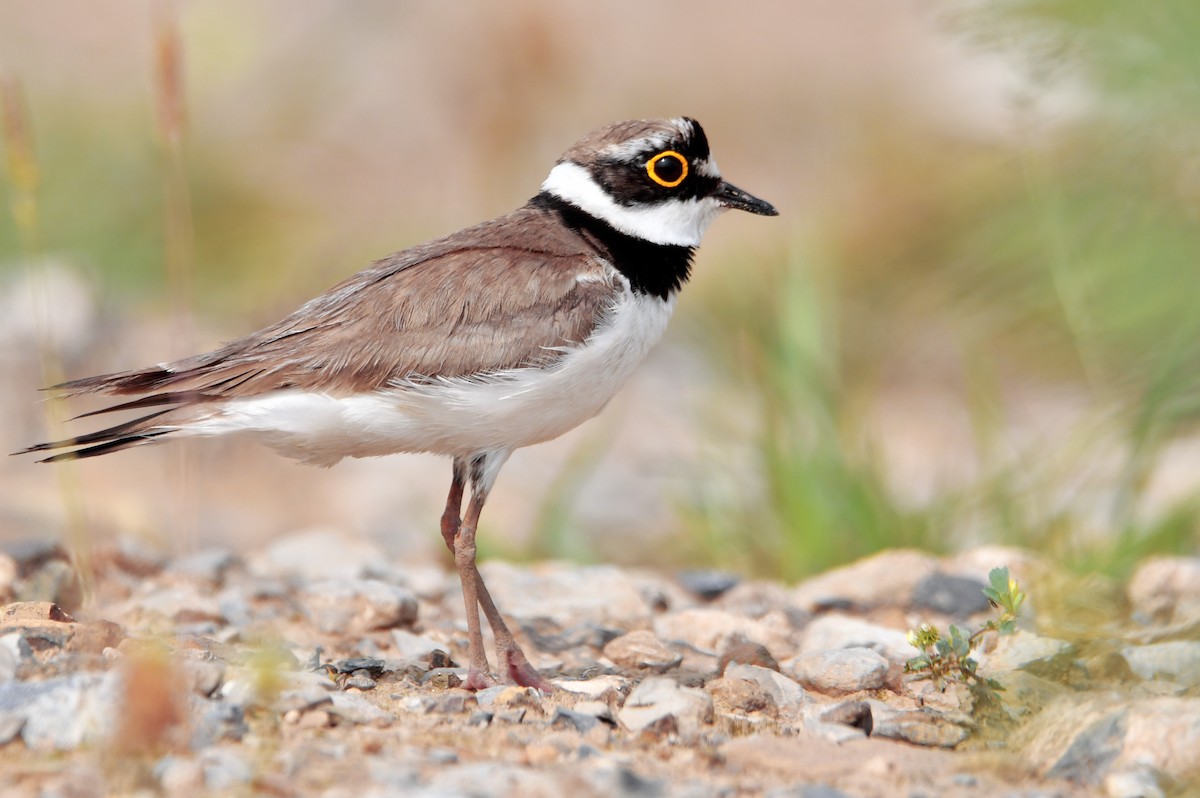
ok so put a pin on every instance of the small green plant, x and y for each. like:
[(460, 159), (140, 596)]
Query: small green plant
[(945, 660)]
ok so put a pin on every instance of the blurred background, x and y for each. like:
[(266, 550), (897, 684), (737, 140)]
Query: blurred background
[(974, 321)]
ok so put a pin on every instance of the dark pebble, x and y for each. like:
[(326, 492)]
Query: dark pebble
[(950, 595), (548, 636), (372, 665), (631, 784), (850, 713), (745, 652), (707, 584), (510, 715), (570, 719), (834, 604)]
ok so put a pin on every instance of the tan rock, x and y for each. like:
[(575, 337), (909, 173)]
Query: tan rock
[(8, 577), (661, 706), (710, 629), (567, 595), (1167, 589), (641, 650), (883, 579)]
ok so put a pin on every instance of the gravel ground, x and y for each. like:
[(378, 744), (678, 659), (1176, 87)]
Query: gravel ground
[(315, 666)]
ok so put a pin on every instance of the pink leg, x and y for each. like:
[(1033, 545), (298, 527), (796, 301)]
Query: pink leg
[(461, 542), (459, 535)]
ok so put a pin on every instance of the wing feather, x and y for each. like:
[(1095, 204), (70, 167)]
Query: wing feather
[(514, 292), (506, 294)]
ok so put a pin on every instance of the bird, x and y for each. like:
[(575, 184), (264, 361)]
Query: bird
[(499, 336)]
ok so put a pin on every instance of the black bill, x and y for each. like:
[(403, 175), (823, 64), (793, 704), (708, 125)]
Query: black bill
[(733, 197)]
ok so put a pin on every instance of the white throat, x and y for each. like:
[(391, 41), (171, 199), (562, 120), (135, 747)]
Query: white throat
[(678, 222)]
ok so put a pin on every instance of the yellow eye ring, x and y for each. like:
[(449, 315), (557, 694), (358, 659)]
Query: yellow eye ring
[(653, 164)]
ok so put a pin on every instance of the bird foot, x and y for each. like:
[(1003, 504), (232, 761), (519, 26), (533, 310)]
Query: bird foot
[(514, 665), (478, 680)]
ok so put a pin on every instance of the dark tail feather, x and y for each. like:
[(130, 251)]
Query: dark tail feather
[(142, 381), (172, 398), (203, 394), (147, 381), (128, 433), (117, 445)]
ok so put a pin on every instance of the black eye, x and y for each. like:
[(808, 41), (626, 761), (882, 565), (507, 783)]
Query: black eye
[(668, 169)]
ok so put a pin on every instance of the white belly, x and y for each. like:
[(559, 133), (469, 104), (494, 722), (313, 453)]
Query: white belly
[(460, 416)]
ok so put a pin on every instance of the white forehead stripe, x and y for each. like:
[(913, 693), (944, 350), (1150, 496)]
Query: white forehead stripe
[(678, 222), (627, 150)]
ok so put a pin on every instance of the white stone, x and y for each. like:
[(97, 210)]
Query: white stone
[(1137, 783), (659, 697), (844, 670), (597, 688), (1018, 650), (835, 631), (1177, 661)]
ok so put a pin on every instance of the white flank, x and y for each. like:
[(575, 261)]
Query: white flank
[(461, 416), (679, 222)]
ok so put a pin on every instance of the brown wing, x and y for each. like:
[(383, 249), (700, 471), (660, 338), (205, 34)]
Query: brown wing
[(505, 294), (501, 295)]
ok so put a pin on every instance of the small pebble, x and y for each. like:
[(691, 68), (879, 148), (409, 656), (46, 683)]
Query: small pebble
[(315, 719), (370, 666), (402, 724), (442, 756), (659, 702), (641, 650), (845, 670), (708, 585), (745, 652), (564, 718), (509, 716), (856, 714), (444, 678), (360, 681), (956, 596)]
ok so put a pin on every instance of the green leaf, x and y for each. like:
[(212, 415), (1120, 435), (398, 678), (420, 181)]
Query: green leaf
[(998, 577), (917, 664)]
